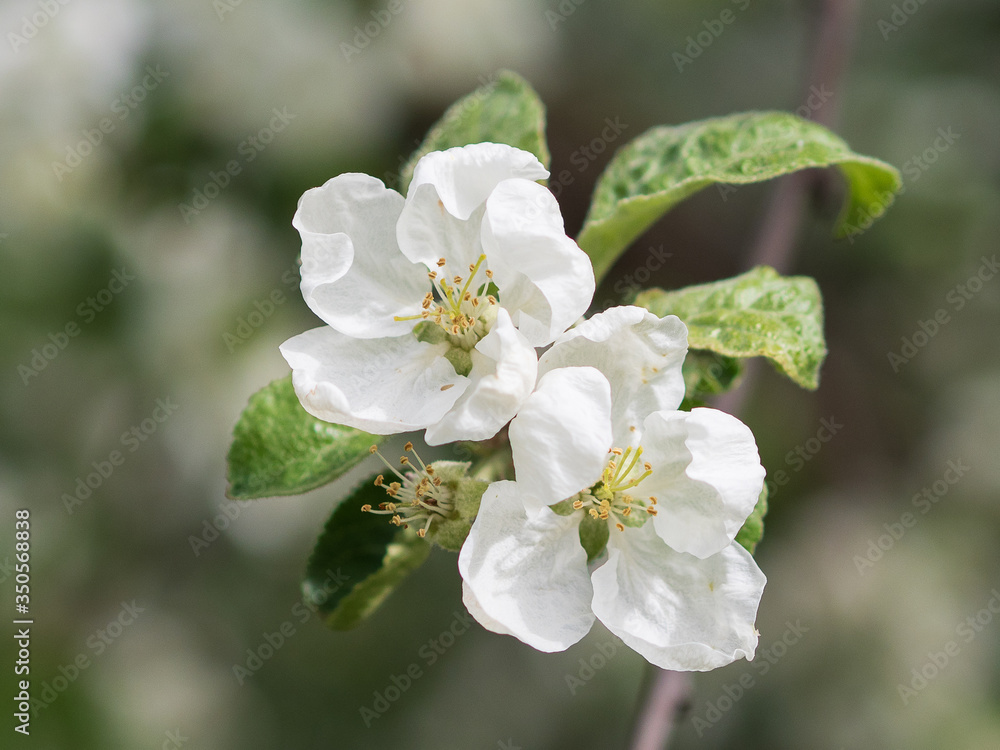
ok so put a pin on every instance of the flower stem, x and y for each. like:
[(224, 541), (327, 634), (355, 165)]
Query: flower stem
[(667, 693)]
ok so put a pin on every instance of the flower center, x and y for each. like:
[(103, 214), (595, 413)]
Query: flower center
[(609, 499), (417, 497), (463, 308)]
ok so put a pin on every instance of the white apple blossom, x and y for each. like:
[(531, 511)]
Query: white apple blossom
[(434, 303), (601, 437)]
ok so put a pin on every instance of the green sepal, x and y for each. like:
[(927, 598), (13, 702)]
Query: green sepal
[(665, 165), (280, 449), (430, 332), (753, 528), (506, 110), (466, 494), (594, 534), (366, 553), (563, 507), (460, 359), (757, 314)]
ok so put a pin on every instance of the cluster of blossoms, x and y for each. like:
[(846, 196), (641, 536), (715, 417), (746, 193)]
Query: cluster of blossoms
[(623, 508)]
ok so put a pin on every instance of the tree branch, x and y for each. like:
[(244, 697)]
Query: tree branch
[(667, 693)]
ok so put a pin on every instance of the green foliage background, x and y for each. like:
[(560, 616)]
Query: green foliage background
[(606, 72)]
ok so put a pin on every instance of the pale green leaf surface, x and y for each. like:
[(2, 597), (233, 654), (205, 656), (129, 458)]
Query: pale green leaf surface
[(757, 314), (280, 449), (666, 164)]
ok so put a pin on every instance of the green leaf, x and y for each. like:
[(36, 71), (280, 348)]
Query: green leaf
[(506, 110), (708, 374), (665, 165), (365, 554), (280, 449), (753, 528), (756, 314)]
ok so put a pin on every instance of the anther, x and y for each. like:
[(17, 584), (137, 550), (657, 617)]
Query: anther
[(441, 262), (620, 527), (366, 508)]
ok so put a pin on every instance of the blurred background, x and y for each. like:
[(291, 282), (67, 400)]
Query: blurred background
[(152, 156)]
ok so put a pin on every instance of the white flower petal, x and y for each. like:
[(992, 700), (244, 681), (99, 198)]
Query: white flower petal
[(427, 231), (465, 176), (678, 611), (526, 578), (353, 274), (561, 436), (382, 386), (504, 366), (706, 477), (545, 279), (640, 355)]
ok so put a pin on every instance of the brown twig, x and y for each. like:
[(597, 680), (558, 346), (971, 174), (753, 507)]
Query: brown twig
[(668, 692)]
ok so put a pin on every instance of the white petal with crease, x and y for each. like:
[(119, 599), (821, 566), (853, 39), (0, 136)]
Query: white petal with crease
[(545, 279), (640, 355), (526, 578), (561, 436), (353, 274), (465, 176), (678, 611), (706, 477), (382, 386)]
